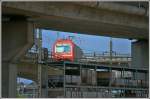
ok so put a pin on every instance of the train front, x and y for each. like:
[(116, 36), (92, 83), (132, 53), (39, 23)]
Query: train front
[(63, 50)]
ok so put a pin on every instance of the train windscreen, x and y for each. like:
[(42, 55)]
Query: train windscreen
[(63, 48)]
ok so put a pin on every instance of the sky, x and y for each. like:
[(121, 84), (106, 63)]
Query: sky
[(95, 43), (88, 43)]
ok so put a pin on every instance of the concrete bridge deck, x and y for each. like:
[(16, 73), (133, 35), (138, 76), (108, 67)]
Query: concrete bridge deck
[(108, 19)]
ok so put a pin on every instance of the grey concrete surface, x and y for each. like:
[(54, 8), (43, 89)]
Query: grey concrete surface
[(82, 18), (16, 39), (5, 79), (140, 54)]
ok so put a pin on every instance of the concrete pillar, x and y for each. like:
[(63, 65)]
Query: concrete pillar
[(44, 82), (16, 39), (9, 80), (5, 79), (140, 54), (12, 80)]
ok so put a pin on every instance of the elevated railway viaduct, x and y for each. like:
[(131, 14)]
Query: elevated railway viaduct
[(20, 19)]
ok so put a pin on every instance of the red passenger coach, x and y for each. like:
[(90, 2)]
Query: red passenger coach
[(66, 49)]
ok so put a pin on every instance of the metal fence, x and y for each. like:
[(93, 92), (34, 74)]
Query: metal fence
[(94, 58)]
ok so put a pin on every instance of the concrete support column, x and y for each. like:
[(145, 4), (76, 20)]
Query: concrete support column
[(12, 80), (44, 82), (140, 54), (5, 79), (9, 80), (17, 37)]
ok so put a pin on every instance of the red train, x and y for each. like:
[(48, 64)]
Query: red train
[(66, 50)]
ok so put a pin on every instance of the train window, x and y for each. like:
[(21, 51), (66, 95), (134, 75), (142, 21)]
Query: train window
[(63, 48)]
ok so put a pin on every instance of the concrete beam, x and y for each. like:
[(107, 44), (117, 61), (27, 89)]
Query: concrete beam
[(122, 7), (29, 70), (72, 17)]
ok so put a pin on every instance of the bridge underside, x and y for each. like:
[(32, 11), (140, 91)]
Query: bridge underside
[(73, 17)]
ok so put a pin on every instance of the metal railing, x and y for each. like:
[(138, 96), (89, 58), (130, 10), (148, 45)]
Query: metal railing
[(95, 58)]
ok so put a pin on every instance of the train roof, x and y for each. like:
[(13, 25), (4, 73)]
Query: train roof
[(61, 40), (64, 40), (67, 40)]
